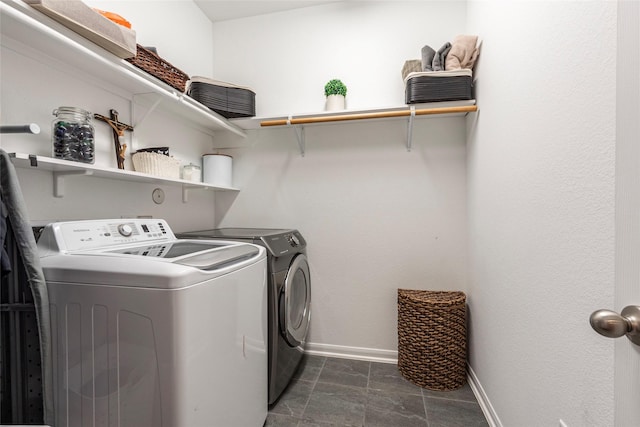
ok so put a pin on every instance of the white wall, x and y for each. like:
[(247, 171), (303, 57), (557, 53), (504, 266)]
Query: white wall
[(376, 217), (541, 210), (288, 57), (177, 28)]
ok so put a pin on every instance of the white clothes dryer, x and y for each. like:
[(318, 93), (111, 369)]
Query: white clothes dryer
[(151, 330)]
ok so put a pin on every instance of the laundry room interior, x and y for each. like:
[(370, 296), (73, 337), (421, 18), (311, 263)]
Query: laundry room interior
[(513, 204)]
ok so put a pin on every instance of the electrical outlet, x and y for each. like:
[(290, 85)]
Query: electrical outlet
[(158, 196)]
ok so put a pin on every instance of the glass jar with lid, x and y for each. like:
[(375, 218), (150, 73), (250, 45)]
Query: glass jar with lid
[(73, 135), (191, 172)]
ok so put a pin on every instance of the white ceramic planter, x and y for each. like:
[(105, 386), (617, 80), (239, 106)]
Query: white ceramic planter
[(334, 103)]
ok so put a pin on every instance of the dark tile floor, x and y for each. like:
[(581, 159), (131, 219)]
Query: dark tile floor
[(341, 392)]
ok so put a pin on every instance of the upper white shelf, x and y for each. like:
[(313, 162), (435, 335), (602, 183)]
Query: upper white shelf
[(35, 35), (445, 108), (63, 168)]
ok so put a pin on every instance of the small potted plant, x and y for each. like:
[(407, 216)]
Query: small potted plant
[(335, 91)]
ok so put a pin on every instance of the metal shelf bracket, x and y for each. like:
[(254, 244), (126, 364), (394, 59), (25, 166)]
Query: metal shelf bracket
[(410, 127), (299, 131), (301, 140)]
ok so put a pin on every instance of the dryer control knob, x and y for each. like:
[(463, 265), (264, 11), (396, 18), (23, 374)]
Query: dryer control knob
[(125, 230), (294, 240)]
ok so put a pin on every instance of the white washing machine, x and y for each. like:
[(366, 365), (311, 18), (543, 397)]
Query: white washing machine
[(151, 330)]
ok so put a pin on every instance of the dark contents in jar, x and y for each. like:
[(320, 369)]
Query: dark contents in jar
[(73, 141)]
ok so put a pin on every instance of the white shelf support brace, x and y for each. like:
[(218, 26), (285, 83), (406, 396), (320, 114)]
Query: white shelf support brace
[(410, 127), (58, 180), (151, 109), (299, 130), (300, 136), (185, 191)]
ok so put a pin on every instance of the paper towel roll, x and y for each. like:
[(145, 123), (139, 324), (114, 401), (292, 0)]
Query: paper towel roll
[(217, 169)]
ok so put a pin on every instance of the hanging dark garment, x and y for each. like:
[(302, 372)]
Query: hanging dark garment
[(20, 261)]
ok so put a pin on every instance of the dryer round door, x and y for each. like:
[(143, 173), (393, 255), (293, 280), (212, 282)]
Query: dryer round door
[(295, 302)]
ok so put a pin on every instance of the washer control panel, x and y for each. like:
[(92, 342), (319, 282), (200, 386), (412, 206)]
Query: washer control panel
[(125, 230), (98, 234)]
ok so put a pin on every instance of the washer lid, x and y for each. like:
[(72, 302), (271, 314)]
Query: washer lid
[(136, 253), (170, 249), (203, 254), (221, 259), (143, 271)]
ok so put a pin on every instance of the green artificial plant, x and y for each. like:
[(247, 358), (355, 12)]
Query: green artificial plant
[(335, 87)]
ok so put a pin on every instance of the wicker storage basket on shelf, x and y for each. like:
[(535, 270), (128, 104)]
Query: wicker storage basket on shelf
[(156, 164), (432, 338), (151, 63)]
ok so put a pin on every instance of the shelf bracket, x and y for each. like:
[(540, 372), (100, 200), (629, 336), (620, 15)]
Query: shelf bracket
[(185, 194), (150, 110), (185, 191), (58, 180), (410, 127), (299, 130)]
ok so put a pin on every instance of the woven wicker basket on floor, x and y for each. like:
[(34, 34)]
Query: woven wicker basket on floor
[(432, 338)]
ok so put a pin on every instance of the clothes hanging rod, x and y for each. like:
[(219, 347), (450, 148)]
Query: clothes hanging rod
[(29, 128), (362, 116)]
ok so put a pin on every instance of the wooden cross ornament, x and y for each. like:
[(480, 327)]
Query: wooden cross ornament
[(118, 129)]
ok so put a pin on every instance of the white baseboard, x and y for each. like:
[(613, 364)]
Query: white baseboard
[(356, 353), (489, 413)]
